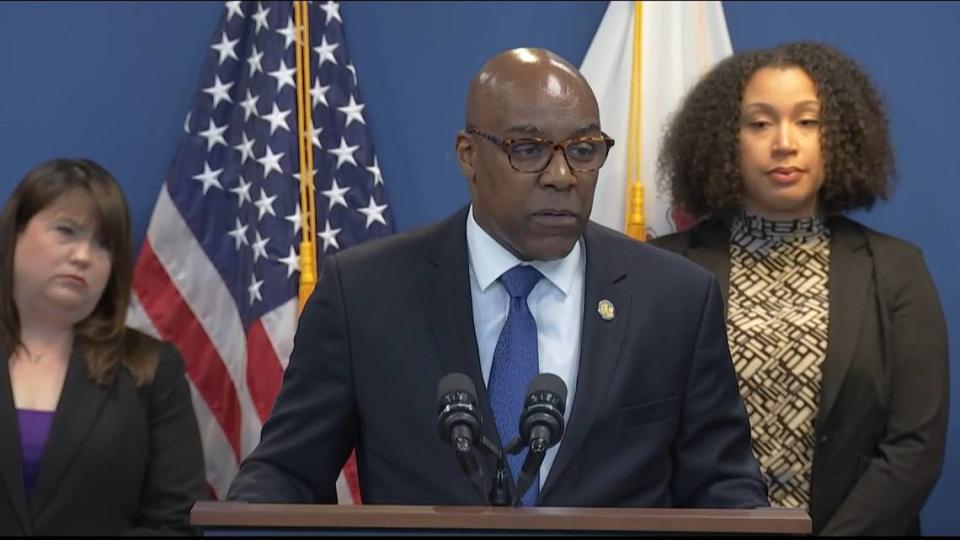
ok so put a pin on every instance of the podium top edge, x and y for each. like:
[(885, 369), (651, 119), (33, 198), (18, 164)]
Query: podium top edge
[(210, 514)]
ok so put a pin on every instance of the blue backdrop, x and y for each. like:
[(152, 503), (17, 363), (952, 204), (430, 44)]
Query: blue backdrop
[(112, 81)]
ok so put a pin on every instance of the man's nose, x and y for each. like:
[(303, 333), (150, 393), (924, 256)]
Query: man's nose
[(558, 173)]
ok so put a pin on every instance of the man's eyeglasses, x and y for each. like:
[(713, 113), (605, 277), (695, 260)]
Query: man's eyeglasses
[(533, 154)]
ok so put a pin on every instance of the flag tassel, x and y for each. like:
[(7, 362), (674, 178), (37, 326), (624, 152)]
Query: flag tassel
[(308, 248), (635, 226)]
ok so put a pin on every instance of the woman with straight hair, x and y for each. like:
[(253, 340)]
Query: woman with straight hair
[(97, 430)]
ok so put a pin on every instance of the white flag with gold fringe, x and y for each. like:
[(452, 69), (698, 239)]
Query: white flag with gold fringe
[(643, 59)]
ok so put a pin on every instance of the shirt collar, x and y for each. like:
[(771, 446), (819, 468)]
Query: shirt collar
[(489, 260)]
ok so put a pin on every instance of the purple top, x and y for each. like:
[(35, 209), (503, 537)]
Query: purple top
[(34, 429)]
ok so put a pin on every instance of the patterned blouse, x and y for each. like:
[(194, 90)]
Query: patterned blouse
[(777, 320)]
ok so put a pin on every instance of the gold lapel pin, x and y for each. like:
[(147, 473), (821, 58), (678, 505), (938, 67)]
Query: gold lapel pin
[(606, 310)]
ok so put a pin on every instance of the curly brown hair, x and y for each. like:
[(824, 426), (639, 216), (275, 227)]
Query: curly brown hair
[(699, 159)]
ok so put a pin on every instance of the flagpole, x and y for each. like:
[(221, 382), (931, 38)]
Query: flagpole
[(308, 216), (635, 226)]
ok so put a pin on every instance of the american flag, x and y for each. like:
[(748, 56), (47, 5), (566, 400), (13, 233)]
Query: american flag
[(218, 273)]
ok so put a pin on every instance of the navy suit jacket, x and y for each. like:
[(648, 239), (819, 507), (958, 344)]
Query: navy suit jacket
[(657, 420)]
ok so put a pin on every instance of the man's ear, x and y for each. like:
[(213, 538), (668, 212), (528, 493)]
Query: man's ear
[(466, 155)]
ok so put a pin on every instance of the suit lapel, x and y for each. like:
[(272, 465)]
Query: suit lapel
[(80, 403), (11, 467), (600, 345), (710, 248), (445, 286), (850, 267)]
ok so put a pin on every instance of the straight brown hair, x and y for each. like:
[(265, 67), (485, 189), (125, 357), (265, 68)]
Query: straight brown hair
[(103, 338)]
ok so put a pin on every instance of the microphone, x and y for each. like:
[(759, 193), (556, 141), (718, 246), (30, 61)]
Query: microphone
[(458, 423), (541, 425)]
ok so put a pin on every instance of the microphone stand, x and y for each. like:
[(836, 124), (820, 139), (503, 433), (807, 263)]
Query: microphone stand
[(468, 463), (500, 490), (531, 465)]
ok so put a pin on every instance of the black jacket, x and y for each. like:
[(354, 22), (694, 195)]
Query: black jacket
[(119, 459), (881, 428)]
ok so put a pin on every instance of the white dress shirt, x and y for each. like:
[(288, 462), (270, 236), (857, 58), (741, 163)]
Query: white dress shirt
[(556, 303)]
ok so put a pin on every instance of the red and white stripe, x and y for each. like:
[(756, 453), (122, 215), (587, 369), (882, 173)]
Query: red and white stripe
[(234, 375)]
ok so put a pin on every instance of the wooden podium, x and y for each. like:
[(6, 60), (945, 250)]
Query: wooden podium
[(229, 518)]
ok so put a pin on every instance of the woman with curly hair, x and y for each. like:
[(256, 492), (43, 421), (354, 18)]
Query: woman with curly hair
[(836, 330)]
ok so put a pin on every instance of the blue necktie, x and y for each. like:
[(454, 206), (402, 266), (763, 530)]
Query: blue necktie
[(515, 364)]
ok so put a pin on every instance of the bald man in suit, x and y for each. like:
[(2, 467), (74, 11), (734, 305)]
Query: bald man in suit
[(654, 417)]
